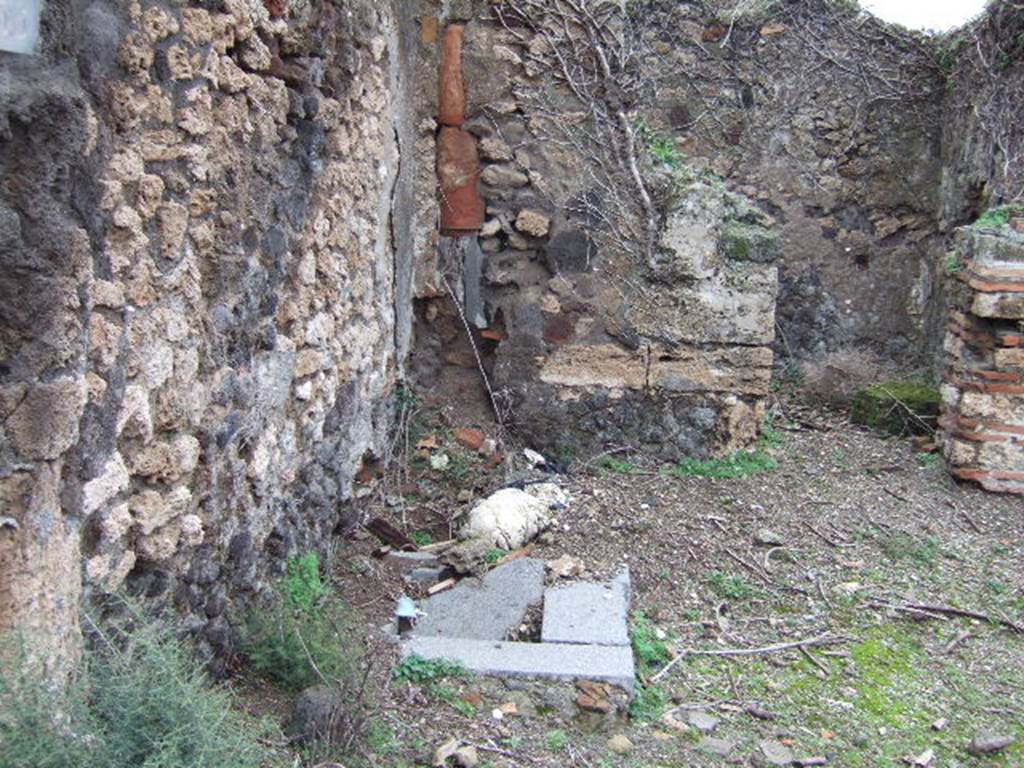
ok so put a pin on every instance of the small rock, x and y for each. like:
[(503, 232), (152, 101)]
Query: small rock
[(776, 753), (533, 223), (670, 721), (766, 537), (759, 713), (439, 461), (940, 724), (702, 721), (446, 750), (565, 567), (988, 743), (487, 448), (620, 745), (662, 736), (466, 757), (921, 761), (504, 176), (316, 712), (720, 747), (470, 438)]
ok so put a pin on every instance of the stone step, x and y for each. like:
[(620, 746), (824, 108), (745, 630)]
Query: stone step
[(555, 661), (487, 608), (586, 613)]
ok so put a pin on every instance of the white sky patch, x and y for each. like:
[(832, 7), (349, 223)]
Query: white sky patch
[(939, 15)]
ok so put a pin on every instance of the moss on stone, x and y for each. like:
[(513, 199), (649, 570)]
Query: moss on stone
[(749, 242), (897, 407), (998, 217)]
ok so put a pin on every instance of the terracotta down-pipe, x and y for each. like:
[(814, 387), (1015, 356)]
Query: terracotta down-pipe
[(458, 162), (451, 101)]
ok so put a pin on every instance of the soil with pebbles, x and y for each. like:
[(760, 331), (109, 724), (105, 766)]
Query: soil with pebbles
[(849, 530)]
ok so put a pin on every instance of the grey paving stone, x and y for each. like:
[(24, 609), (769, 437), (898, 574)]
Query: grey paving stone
[(556, 661), (720, 747), (587, 613), (484, 609), (702, 721)]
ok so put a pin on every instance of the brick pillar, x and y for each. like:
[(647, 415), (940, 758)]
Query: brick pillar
[(982, 422)]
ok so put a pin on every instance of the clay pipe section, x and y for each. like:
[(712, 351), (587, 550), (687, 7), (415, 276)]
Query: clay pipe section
[(458, 162), (458, 169), (451, 97)]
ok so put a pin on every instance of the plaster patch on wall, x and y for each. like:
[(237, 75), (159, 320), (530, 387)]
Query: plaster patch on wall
[(19, 25)]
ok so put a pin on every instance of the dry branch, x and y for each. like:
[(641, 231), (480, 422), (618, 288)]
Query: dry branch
[(820, 640)]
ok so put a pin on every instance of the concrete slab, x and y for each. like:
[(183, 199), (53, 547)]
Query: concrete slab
[(484, 609), (554, 661), (587, 613)]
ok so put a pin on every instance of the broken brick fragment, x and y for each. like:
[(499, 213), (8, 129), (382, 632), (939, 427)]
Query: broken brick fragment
[(470, 438)]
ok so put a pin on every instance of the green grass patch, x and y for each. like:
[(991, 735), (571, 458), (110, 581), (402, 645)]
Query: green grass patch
[(556, 741), (380, 739), (421, 671), (736, 465), (621, 466), (731, 586), (494, 555), (650, 648), (421, 538), (903, 546), (648, 704)]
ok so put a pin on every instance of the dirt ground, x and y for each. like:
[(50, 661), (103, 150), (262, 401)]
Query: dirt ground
[(837, 542)]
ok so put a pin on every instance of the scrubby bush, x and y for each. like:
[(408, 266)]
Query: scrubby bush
[(305, 636), (136, 701)]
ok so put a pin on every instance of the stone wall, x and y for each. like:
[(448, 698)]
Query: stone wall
[(831, 121), (204, 295), (591, 335)]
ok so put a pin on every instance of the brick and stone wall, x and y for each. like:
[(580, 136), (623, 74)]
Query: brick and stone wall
[(204, 296), (982, 418)]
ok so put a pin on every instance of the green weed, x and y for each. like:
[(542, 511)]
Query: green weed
[(648, 703), (494, 555), (651, 651), (302, 586), (380, 739), (421, 538), (999, 216), (622, 466), (421, 671), (903, 546), (730, 587), (951, 264), (661, 148), (556, 741), (736, 465), (770, 436)]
